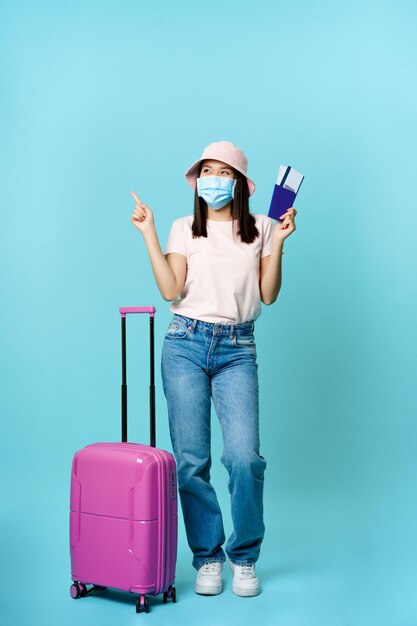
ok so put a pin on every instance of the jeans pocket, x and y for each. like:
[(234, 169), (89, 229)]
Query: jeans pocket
[(177, 329), (246, 340)]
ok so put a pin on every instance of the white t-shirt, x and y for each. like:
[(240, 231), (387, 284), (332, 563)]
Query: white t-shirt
[(222, 278)]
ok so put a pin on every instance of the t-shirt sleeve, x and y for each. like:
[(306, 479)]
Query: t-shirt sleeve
[(266, 237), (176, 239)]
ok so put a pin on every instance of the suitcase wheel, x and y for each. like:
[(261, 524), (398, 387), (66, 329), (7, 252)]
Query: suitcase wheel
[(75, 591), (170, 593), (142, 604)]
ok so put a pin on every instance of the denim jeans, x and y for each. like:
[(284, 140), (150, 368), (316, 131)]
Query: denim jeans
[(200, 361)]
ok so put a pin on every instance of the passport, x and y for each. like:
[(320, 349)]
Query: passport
[(285, 191)]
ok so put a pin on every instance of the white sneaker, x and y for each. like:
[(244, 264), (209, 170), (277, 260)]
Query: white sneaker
[(245, 582), (209, 579)]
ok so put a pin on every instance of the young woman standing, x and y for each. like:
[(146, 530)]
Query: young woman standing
[(217, 267)]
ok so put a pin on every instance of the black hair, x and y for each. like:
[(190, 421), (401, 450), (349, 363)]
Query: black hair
[(239, 209)]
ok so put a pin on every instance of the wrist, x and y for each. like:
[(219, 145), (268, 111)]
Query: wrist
[(278, 244), (150, 234)]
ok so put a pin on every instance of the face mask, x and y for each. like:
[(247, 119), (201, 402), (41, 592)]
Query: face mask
[(217, 191)]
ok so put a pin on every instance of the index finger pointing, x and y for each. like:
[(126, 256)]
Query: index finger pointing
[(138, 200)]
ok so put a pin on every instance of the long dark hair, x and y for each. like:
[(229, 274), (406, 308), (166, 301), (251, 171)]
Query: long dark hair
[(240, 211)]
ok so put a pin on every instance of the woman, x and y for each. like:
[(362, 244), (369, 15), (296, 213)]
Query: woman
[(218, 265)]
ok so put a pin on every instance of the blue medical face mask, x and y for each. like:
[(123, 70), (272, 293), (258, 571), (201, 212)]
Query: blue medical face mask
[(217, 191)]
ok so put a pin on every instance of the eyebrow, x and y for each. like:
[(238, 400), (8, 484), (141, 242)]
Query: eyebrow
[(225, 167)]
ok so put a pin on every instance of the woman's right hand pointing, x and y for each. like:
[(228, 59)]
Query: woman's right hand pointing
[(142, 216)]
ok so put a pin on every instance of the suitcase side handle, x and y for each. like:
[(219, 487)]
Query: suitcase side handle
[(123, 312)]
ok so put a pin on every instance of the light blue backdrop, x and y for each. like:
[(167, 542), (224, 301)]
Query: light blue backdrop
[(98, 98)]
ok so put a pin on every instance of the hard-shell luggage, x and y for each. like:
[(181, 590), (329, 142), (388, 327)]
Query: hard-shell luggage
[(123, 509)]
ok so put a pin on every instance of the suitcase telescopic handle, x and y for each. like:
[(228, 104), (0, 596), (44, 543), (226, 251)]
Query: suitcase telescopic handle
[(123, 312)]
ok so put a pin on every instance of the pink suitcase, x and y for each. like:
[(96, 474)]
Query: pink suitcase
[(123, 509)]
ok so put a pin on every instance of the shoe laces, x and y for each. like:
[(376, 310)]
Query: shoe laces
[(212, 567), (246, 571)]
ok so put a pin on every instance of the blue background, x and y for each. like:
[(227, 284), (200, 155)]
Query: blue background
[(98, 98)]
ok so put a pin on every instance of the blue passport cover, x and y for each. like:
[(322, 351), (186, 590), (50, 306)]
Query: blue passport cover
[(282, 200)]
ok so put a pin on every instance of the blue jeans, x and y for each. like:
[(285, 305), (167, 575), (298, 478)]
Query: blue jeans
[(200, 361)]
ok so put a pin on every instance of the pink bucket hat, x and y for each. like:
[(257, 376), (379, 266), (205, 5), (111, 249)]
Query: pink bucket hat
[(221, 151)]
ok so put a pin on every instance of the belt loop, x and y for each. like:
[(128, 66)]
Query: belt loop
[(232, 330), (190, 322)]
